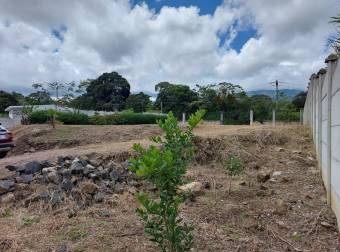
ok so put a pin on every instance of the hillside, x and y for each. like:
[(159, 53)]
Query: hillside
[(287, 92)]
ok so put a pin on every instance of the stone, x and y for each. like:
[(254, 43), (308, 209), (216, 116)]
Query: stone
[(25, 179), (77, 166), (11, 167), (32, 167), (104, 174), (99, 197), (89, 169), (6, 186), (66, 173), (126, 164), (66, 184), (45, 163), (93, 176), (48, 170), (277, 173), (263, 177), (53, 177), (281, 207), (89, 188), (196, 188), (61, 248), (243, 183), (7, 198), (206, 185), (326, 224), (114, 175), (279, 149), (6, 174)]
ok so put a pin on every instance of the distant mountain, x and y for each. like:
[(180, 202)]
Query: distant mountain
[(287, 92)]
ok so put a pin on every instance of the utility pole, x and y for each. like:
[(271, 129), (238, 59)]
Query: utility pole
[(277, 94)]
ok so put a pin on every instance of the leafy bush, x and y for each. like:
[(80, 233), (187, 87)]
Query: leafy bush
[(126, 118), (39, 116), (234, 165), (165, 168), (72, 118)]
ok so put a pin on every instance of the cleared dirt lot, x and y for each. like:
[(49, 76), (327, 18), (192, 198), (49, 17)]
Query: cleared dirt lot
[(41, 142), (288, 212)]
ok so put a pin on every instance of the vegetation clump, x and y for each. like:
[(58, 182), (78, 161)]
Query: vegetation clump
[(234, 165), (165, 168)]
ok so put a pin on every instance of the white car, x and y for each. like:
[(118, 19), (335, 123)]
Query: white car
[(6, 141)]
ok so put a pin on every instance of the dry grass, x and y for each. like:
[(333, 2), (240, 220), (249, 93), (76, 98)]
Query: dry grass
[(245, 218)]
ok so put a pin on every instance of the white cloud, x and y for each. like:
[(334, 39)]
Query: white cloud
[(177, 44)]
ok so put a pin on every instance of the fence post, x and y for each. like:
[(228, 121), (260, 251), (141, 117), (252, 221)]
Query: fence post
[(331, 63), (183, 118), (221, 118), (301, 116), (274, 117), (251, 117), (321, 74)]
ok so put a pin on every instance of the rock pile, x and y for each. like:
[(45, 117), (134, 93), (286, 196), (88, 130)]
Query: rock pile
[(82, 179)]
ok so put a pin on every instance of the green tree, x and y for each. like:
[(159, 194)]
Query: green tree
[(38, 98), (299, 100), (262, 106), (165, 168), (175, 97), (138, 102), (108, 92), (6, 100)]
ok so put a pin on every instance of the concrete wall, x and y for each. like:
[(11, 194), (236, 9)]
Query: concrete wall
[(322, 115)]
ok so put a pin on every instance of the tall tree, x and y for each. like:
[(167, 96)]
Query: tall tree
[(108, 92), (138, 102), (299, 99), (262, 106), (175, 97), (38, 98), (6, 100)]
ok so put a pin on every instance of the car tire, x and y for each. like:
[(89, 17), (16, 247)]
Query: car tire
[(3, 154)]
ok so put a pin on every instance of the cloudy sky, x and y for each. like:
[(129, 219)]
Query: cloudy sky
[(248, 42)]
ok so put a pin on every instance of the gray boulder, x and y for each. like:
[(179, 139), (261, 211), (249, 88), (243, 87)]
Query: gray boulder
[(32, 167), (6, 186)]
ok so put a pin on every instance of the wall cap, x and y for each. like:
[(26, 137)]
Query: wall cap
[(331, 57), (322, 71)]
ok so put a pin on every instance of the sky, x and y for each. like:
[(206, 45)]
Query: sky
[(246, 42)]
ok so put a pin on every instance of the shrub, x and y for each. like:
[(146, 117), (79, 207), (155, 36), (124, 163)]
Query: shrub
[(234, 165), (126, 118), (39, 116), (72, 118), (165, 168)]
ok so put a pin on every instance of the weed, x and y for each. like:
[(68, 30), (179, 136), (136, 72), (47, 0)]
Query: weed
[(6, 213), (234, 165), (75, 234), (29, 221)]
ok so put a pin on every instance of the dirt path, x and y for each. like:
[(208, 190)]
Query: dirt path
[(113, 139)]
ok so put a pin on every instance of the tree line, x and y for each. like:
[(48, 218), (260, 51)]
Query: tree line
[(111, 92)]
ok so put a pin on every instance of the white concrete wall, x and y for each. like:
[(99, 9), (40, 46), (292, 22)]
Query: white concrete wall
[(322, 115)]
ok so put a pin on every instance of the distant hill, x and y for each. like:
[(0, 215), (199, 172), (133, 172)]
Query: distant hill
[(287, 92)]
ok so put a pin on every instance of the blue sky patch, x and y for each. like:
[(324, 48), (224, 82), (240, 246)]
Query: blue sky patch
[(242, 37), (205, 6)]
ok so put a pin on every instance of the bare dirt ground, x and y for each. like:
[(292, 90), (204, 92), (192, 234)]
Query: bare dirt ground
[(41, 142), (288, 212)]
